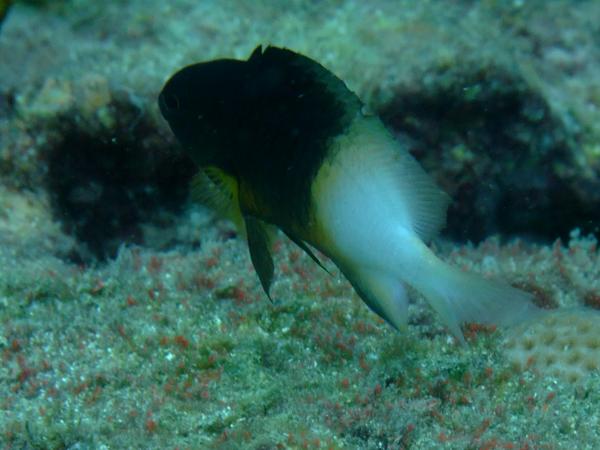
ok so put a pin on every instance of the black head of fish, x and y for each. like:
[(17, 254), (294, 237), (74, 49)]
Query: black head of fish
[(201, 103), (266, 122)]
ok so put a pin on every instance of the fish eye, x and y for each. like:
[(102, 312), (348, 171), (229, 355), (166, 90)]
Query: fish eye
[(171, 101)]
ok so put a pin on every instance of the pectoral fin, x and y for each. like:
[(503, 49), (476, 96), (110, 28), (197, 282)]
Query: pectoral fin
[(259, 244), (214, 188)]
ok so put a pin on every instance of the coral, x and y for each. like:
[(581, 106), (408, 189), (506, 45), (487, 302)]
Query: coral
[(564, 344)]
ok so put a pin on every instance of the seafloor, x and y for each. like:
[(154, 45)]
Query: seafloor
[(132, 318)]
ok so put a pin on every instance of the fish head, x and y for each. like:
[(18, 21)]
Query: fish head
[(202, 105)]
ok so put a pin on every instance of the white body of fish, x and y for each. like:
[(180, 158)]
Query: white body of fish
[(375, 208)]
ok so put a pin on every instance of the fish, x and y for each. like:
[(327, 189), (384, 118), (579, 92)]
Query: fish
[(4, 6), (282, 143)]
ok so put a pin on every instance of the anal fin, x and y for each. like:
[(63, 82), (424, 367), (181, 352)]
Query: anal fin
[(384, 294)]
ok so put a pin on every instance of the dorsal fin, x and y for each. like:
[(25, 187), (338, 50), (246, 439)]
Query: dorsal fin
[(301, 65), (426, 201), (412, 194)]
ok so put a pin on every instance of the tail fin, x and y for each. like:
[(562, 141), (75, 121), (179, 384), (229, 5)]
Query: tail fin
[(464, 297)]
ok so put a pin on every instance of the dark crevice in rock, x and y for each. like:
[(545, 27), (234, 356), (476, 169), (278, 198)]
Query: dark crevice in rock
[(491, 141), (105, 181)]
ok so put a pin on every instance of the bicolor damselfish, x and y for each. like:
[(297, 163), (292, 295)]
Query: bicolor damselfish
[(282, 142)]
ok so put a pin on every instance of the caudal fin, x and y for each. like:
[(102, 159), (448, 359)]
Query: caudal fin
[(465, 297)]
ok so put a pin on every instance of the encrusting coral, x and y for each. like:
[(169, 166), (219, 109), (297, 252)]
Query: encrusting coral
[(565, 344)]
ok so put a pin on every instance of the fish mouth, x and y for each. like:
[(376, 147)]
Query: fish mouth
[(169, 104), (164, 110)]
